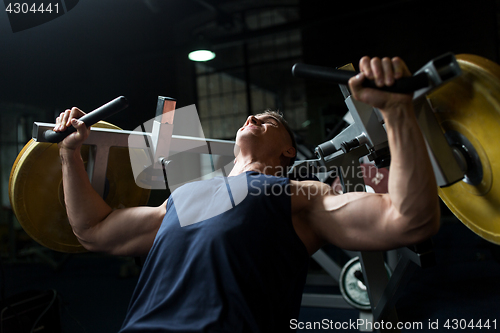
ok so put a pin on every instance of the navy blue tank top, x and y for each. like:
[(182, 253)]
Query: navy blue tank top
[(230, 262)]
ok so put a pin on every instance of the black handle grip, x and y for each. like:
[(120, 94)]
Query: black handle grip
[(107, 110), (403, 85)]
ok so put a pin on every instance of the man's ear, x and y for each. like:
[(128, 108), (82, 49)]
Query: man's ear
[(290, 152)]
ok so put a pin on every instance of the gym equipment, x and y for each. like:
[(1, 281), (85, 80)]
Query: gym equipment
[(352, 284), (458, 114), (35, 184), (37, 198), (468, 111)]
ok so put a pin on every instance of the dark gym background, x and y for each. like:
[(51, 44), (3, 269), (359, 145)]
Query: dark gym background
[(101, 49)]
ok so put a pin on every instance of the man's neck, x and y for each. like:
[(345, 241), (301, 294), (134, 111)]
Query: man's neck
[(250, 164)]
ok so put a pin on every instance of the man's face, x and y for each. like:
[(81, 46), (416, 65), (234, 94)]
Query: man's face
[(263, 132)]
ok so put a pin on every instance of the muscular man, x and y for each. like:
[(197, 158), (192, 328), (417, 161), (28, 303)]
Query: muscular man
[(243, 270)]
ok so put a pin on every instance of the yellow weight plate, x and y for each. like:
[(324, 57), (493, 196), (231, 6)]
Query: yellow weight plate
[(468, 109), (36, 191)]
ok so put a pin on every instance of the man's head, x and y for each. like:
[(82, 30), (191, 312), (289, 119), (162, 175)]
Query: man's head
[(269, 136), (278, 115)]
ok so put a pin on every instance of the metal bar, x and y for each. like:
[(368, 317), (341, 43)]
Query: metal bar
[(446, 168), (100, 166), (366, 316), (399, 279), (376, 280), (327, 264), (392, 259), (120, 138), (107, 110), (332, 75)]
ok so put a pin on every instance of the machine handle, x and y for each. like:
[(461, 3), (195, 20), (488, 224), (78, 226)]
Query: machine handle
[(107, 110), (403, 85)]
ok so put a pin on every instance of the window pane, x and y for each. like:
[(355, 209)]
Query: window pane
[(222, 83)]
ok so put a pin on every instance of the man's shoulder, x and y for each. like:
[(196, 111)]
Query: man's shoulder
[(313, 187), (305, 193)]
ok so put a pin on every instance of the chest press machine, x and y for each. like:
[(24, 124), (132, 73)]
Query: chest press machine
[(452, 97), (366, 282), (461, 155)]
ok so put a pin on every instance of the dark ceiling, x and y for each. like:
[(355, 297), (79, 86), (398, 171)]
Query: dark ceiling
[(79, 53), (101, 49), (105, 48)]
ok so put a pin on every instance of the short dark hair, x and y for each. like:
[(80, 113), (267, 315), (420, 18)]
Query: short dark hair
[(279, 115)]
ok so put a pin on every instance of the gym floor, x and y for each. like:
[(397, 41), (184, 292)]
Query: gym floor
[(95, 289)]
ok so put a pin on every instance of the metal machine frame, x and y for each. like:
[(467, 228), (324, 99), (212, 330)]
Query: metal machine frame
[(158, 143)]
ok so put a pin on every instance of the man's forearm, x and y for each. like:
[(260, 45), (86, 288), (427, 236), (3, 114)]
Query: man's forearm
[(412, 185), (85, 208)]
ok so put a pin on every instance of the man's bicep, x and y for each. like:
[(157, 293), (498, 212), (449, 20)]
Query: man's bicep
[(355, 221), (126, 232)]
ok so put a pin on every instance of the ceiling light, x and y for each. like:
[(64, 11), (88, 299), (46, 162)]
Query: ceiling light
[(201, 55)]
